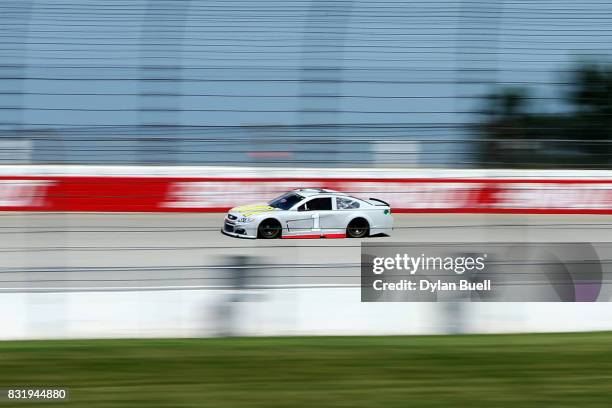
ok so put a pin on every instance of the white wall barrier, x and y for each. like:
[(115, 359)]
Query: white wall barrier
[(282, 312)]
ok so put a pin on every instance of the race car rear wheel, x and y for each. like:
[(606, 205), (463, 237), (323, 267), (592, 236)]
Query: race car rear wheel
[(269, 229), (358, 228)]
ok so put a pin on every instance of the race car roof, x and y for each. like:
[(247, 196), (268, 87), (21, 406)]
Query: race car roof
[(307, 192)]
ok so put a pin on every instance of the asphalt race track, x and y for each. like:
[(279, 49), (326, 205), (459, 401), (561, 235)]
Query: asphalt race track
[(51, 252)]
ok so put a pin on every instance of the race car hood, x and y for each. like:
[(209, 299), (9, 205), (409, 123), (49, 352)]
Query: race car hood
[(251, 210)]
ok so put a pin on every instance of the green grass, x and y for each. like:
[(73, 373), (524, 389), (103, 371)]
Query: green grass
[(537, 370)]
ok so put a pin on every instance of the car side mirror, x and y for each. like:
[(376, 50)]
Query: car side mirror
[(302, 208)]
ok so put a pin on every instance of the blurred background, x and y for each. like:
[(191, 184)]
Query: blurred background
[(240, 90), (310, 83), (128, 127), (320, 91)]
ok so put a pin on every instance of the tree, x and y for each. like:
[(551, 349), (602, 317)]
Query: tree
[(582, 137)]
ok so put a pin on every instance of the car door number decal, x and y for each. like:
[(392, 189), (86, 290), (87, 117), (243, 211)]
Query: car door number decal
[(315, 217)]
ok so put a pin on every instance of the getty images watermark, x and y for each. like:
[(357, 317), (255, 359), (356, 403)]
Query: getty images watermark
[(411, 265), (507, 272)]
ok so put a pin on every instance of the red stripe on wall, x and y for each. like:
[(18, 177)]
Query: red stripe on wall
[(173, 194)]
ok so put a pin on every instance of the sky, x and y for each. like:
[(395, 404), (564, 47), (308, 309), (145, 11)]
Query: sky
[(67, 63)]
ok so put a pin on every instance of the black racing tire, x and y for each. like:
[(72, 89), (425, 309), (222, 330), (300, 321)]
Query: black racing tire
[(269, 229), (358, 228)]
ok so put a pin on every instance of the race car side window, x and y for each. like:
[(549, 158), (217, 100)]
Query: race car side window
[(343, 203), (317, 204)]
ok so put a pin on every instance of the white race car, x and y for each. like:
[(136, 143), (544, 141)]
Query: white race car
[(310, 213)]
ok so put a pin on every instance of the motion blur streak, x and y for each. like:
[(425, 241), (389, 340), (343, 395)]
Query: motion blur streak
[(157, 275), (127, 128), (445, 83), (446, 106)]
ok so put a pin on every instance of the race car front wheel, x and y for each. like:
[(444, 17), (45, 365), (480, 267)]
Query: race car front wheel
[(269, 229), (358, 228)]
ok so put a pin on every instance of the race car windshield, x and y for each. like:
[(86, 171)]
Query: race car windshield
[(286, 201)]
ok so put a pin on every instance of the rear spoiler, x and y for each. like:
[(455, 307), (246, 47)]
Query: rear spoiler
[(380, 201)]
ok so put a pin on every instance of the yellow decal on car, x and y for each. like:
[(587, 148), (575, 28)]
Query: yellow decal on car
[(249, 210)]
